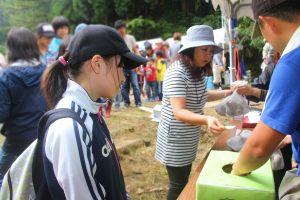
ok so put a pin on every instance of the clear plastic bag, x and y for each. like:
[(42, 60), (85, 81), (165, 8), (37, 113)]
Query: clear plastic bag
[(233, 105)]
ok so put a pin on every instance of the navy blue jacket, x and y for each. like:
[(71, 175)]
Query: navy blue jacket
[(21, 101)]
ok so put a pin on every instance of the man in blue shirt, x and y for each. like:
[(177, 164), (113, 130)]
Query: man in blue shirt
[(279, 22)]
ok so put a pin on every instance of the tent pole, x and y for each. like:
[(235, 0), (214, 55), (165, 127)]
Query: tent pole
[(231, 23)]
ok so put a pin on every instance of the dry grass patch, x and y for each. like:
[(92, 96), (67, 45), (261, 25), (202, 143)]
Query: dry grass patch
[(145, 177)]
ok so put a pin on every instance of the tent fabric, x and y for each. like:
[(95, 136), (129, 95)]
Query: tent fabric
[(234, 8)]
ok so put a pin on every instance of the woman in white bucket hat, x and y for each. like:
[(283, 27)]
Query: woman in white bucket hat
[(184, 97)]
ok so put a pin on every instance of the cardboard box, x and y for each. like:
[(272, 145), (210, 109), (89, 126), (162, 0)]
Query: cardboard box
[(215, 184)]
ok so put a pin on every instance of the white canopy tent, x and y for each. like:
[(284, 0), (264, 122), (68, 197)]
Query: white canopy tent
[(231, 11)]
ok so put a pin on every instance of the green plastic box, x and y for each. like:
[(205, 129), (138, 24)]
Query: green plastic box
[(215, 184)]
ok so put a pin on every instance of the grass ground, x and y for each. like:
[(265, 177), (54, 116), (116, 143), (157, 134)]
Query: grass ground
[(145, 177), (133, 130)]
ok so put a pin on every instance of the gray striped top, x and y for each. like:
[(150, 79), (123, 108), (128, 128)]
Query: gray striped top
[(177, 141)]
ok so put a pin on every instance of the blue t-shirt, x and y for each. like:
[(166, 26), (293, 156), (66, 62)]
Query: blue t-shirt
[(48, 58), (282, 106), (54, 47)]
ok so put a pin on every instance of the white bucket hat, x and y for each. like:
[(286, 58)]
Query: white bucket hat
[(200, 35)]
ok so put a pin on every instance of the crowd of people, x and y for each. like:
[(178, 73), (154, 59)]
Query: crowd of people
[(96, 67)]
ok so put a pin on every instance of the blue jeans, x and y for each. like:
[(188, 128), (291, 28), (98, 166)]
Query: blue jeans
[(117, 102), (131, 77), (151, 90), (9, 152), (160, 89)]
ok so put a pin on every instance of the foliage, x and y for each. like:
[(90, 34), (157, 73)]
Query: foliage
[(251, 48), (25, 13), (145, 18), (211, 20), (141, 27), (2, 49), (19, 13)]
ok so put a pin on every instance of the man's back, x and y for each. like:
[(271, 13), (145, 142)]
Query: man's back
[(130, 41)]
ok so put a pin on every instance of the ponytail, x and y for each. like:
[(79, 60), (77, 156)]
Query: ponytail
[(54, 81)]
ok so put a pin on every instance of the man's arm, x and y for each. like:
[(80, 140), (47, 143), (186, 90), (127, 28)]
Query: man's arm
[(258, 149)]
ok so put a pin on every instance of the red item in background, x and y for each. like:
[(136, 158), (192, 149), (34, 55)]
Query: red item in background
[(246, 123), (150, 73)]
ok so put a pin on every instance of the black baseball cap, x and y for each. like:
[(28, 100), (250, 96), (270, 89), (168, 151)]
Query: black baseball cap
[(260, 7), (102, 40), (119, 23), (45, 29)]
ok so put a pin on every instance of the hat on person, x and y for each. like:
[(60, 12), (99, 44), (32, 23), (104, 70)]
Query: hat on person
[(45, 29), (200, 35), (79, 27), (119, 23), (147, 45), (260, 7), (102, 40)]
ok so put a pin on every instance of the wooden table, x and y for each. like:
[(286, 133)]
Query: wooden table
[(189, 191)]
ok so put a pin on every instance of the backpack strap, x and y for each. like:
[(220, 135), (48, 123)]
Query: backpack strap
[(11, 196), (39, 180)]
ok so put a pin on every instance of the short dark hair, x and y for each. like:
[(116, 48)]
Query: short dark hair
[(59, 22), (21, 44), (287, 11)]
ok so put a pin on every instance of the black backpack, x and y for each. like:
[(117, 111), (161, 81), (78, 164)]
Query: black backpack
[(25, 179)]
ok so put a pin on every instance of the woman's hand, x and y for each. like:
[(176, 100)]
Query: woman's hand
[(214, 125)]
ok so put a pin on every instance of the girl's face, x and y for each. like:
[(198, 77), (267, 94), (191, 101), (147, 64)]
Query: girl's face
[(110, 78), (203, 55)]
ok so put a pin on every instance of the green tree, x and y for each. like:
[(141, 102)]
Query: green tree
[(251, 48), (25, 13)]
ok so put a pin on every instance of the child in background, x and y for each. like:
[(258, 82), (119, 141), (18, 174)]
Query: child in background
[(140, 76), (150, 73), (161, 67)]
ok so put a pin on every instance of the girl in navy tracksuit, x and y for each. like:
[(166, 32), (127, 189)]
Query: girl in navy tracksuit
[(80, 164), (21, 100)]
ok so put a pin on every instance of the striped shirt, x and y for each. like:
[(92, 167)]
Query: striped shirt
[(177, 142)]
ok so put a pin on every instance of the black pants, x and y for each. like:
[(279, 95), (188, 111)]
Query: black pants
[(287, 158), (178, 178)]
